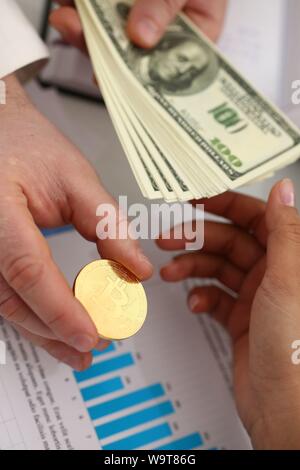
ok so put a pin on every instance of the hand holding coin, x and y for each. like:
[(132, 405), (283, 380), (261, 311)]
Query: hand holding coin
[(113, 297)]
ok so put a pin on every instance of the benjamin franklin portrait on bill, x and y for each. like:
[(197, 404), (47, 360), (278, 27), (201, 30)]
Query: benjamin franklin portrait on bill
[(179, 65)]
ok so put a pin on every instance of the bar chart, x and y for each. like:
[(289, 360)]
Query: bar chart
[(132, 419)]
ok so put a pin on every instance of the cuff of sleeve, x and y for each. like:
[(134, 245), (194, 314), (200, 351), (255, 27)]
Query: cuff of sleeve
[(20, 44), (26, 65)]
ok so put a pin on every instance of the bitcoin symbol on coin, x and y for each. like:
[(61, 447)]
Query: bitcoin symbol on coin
[(116, 289)]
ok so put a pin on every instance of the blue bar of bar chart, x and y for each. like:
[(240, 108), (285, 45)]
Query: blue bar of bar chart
[(126, 401), (110, 349), (105, 367), (102, 388), (135, 419), (141, 439), (50, 232), (185, 443)]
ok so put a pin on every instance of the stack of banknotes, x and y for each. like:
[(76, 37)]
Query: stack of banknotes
[(191, 126)]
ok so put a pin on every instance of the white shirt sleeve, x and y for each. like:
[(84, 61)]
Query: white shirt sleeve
[(20, 45)]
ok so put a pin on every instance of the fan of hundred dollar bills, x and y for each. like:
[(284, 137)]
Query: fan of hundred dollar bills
[(191, 126)]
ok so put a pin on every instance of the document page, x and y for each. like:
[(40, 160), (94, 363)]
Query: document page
[(254, 39), (167, 388)]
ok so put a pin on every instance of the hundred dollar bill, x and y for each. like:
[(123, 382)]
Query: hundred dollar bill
[(205, 128), (139, 158)]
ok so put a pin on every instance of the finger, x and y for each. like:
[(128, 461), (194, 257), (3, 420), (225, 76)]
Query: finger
[(231, 314), (60, 351), (148, 20), (213, 300), (84, 204), (14, 310), (244, 211), (283, 253), (208, 15), (67, 22), (204, 266), (238, 246), (28, 268)]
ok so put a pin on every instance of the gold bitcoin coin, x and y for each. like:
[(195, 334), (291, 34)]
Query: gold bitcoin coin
[(113, 297)]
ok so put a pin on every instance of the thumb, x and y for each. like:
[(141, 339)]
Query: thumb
[(148, 20), (84, 199), (283, 227)]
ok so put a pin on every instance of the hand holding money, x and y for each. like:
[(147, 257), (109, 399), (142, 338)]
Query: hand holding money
[(148, 19), (191, 126)]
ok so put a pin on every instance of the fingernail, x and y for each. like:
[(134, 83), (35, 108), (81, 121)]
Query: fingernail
[(148, 31), (74, 362), (193, 302), (102, 345), (60, 28), (83, 343), (287, 193), (143, 258), (166, 267), (170, 266)]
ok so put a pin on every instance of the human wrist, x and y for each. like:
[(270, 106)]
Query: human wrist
[(15, 93), (278, 430)]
